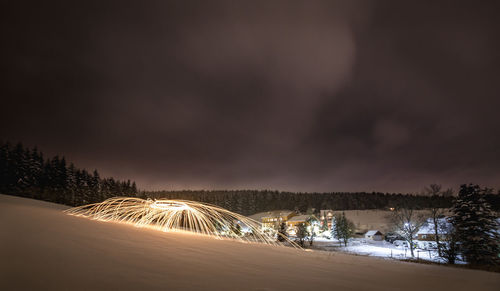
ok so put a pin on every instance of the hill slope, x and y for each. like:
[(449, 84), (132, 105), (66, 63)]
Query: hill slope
[(42, 248)]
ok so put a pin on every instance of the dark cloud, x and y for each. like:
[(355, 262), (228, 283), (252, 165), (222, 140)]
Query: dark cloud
[(308, 96)]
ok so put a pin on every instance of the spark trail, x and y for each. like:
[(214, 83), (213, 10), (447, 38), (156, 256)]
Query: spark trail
[(180, 215)]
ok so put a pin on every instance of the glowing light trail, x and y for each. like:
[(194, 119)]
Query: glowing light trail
[(180, 215)]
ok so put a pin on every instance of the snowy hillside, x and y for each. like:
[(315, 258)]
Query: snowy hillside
[(44, 249)]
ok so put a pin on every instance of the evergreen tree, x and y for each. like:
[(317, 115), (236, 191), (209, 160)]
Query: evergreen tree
[(24, 172), (475, 226), (94, 184), (4, 155), (301, 233), (324, 225), (311, 233), (282, 233), (71, 185), (343, 228)]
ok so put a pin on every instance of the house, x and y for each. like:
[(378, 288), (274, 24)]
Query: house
[(326, 215), (374, 235), (427, 232), (274, 218), (293, 222), (296, 220)]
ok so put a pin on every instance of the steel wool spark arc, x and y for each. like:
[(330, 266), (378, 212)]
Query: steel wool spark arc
[(179, 215)]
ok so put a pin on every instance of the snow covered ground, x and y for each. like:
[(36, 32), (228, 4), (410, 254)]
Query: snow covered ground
[(381, 249), (388, 250), (41, 248)]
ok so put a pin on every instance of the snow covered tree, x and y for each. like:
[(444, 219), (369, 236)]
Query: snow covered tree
[(282, 234), (475, 226), (301, 233), (324, 225), (311, 233), (407, 222), (342, 228)]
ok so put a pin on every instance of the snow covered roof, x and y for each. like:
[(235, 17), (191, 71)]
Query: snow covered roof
[(428, 227), (373, 232), (299, 218), (273, 214), (325, 211)]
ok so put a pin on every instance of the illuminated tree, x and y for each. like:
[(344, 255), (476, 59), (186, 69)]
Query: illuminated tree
[(342, 228), (311, 232), (407, 222)]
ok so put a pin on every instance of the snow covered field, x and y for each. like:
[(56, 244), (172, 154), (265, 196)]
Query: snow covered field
[(41, 248), (381, 249)]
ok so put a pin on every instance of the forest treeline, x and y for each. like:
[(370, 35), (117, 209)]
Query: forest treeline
[(248, 202), (26, 172)]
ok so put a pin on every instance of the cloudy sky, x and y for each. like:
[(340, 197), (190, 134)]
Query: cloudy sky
[(287, 95)]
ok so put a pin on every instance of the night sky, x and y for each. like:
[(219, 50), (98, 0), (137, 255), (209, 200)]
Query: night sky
[(287, 95)]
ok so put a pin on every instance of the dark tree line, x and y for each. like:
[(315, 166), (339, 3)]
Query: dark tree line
[(248, 202), (25, 172)]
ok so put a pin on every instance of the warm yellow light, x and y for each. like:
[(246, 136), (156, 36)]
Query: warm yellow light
[(169, 205), (179, 215)]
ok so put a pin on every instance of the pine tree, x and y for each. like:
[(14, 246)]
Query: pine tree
[(282, 234), (95, 187), (301, 233), (324, 225), (475, 226), (24, 172), (311, 233), (71, 185), (134, 190), (342, 228), (4, 154)]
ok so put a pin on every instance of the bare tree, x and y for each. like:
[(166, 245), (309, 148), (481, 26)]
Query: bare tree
[(407, 222), (437, 213), (450, 244)]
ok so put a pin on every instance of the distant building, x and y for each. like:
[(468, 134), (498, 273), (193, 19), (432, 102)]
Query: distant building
[(326, 214), (296, 220), (427, 232), (374, 235), (274, 218), (293, 222)]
